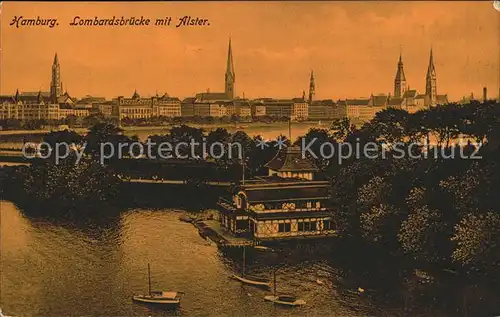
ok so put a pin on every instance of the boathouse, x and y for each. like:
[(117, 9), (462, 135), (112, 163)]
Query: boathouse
[(287, 203)]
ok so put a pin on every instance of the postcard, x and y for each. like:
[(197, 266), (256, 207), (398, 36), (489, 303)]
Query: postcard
[(250, 158)]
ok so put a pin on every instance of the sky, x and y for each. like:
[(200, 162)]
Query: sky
[(353, 48)]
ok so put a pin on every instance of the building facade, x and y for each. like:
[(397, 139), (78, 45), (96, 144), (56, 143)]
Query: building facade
[(285, 205), (300, 109), (166, 106), (322, 110), (258, 109), (138, 107)]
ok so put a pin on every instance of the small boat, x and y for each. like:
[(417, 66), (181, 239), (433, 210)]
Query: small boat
[(262, 248), (286, 300), (255, 281), (250, 280), (186, 218), (159, 297)]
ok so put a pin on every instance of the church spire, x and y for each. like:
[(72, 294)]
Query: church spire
[(430, 81), (230, 75), (55, 83), (400, 86), (312, 88)]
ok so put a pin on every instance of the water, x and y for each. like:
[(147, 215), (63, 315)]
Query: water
[(50, 269), (266, 131), (9, 140), (56, 268)]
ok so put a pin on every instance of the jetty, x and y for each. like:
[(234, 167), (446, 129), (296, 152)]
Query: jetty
[(213, 230)]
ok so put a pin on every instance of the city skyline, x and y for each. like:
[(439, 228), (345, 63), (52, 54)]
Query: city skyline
[(195, 63)]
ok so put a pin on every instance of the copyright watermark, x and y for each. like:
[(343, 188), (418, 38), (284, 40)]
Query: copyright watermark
[(398, 150), (135, 150), (234, 150)]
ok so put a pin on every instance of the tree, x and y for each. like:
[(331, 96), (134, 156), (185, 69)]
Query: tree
[(378, 218), (341, 128), (187, 135), (421, 234), (477, 239), (390, 125), (443, 121), (107, 138), (321, 143), (63, 142), (259, 157)]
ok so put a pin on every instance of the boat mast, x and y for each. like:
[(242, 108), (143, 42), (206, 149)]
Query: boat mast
[(290, 129), (274, 282), (243, 166), (244, 260), (149, 278)]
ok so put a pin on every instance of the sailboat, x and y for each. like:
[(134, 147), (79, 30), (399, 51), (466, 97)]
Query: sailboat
[(285, 300), (159, 297), (250, 280)]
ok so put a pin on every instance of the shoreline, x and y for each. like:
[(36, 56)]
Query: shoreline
[(240, 126)]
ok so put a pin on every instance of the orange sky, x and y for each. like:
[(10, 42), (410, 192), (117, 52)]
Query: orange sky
[(353, 48)]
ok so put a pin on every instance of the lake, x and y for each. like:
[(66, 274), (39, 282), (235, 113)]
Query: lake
[(68, 270), (267, 131), (55, 268)]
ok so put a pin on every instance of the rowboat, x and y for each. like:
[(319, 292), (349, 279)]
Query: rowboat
[(185, 218), (159, 297), (262, 248), (286, 300)]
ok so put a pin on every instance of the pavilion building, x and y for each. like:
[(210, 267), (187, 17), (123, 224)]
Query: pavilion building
[(288, 203)]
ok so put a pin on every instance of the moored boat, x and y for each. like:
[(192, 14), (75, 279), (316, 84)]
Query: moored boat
[(250, 280), (186, 218), (263, 248), (255, 281), (286, 300), (160, 297)]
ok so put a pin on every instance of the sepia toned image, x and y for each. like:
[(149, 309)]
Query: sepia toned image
[(262, 158)]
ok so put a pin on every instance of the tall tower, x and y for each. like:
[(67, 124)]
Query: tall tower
[(430, 82), (312, 88), (230, 76), (400, 86), (55, 83)]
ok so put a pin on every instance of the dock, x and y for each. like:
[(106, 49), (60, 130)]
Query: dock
[(212, 229), (176, 182)]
